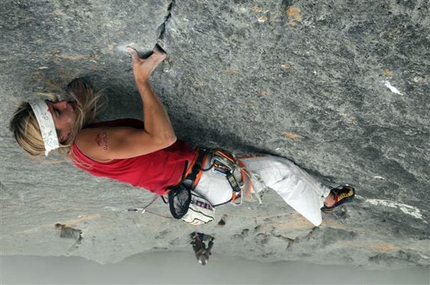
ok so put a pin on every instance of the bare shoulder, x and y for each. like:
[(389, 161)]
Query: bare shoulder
[(101, 143), (107, 143), (91, 141)]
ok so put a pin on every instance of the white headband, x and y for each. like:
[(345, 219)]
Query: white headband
[(46, 125)]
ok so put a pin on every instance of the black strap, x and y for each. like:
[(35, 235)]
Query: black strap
[(197, 167), (233, 182)]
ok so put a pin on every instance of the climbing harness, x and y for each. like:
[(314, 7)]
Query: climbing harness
[(228, 164)]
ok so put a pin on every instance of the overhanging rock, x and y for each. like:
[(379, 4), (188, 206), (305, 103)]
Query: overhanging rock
[(341, 88)]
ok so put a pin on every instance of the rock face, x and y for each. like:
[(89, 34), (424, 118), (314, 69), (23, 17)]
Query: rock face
[(339, 87)]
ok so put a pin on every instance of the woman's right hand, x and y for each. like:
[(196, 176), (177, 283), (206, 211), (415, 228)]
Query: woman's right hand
[(143, 68)]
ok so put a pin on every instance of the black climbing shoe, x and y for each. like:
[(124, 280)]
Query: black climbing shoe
[(341, 194)]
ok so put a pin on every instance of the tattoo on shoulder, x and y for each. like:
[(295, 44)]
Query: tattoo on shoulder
[(102, 140)]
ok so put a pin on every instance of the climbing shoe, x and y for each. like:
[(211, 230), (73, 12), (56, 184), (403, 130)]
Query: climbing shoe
[(341, 195)]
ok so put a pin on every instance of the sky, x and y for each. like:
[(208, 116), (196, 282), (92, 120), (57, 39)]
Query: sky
[(182, 268)]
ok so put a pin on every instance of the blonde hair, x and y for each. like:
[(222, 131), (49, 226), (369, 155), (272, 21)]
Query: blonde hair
[(26, 130)]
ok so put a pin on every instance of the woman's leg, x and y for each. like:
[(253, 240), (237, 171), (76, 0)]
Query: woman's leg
[(299, 189)]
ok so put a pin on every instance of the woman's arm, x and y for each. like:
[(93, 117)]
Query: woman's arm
[(157, 122), (104, 144)]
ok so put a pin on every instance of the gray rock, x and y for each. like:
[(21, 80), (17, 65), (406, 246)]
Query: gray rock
[(341, 88)]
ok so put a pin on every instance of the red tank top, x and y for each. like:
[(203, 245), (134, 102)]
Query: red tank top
[(154, 171)]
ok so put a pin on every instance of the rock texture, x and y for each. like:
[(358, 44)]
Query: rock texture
[(339, 87)]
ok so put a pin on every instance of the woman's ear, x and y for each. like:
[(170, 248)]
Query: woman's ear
[(62, 137)]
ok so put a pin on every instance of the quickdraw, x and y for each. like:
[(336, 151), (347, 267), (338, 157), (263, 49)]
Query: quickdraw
[(246, 189)]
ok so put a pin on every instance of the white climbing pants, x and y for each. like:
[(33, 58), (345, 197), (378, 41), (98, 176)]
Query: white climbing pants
[(298, 189)]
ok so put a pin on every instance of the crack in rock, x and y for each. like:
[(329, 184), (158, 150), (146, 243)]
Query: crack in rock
[(162, 28)]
